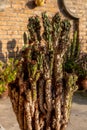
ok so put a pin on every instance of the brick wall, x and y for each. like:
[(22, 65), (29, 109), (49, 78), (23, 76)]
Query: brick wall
[(14, 19), (79, 7)]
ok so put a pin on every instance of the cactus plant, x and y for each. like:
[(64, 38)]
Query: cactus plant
[(40, 98)]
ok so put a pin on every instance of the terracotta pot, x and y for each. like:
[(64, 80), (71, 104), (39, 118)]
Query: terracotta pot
[(84, 83)]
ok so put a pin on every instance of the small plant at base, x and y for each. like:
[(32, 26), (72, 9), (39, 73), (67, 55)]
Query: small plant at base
[(8, 72)]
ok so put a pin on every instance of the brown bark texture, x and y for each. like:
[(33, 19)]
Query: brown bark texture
[(42, 93)]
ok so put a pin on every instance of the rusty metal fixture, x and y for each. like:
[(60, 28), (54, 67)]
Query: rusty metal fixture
[(40, 2)]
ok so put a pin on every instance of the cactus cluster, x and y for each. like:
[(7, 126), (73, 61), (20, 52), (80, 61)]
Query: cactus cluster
[(38, 94)]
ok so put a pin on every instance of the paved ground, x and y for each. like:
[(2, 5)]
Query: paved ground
[(78, 120), (7, 116)]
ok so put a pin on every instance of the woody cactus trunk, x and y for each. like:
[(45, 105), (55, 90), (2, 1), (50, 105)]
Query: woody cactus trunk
[(41, 94)]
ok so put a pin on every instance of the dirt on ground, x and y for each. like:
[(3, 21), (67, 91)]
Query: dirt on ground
[(78, 118)]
